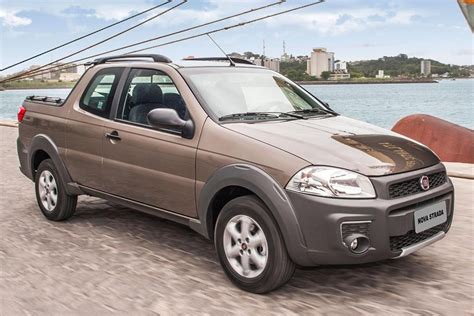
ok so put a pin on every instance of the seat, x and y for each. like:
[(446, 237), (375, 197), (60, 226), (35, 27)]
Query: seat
[(145, 97), (175, 101)]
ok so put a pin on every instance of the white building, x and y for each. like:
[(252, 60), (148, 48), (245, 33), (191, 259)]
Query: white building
[(425, 67), (320, 61), (340, 66), (339, 76), (381, 75)]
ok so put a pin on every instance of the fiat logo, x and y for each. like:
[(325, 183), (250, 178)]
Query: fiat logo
[(425, 183)]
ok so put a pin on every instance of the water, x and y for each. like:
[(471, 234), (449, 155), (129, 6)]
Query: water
[(10, 100), (382, 104), (385, 104)]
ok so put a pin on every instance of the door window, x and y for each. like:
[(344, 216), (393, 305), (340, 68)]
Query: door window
[(146, 90), (99, 94)]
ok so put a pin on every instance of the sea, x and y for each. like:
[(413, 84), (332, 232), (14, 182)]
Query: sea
[(379, 104)]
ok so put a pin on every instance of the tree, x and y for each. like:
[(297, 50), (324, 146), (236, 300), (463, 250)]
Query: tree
[(325, 75), (251, 54)]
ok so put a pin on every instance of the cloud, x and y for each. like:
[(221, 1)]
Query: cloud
[(10, 19), (324, 20), (336, 23)]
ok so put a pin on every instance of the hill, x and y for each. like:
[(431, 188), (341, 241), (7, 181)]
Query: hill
[(402, 65)]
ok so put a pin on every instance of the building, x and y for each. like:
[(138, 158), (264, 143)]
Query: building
[(320, 60), (381, 75), (69, 76), (340, 66), (340, 76), (425, 67), (270, 63)]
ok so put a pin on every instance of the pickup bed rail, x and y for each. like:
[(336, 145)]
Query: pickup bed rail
[(50, 100)]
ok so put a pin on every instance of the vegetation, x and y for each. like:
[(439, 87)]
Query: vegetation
[(296, 71), (325, 75), (36, 84), (402, 65)]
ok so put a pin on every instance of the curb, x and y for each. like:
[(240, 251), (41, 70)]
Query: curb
[(9, 123)]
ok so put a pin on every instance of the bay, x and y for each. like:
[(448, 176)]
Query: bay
[(378, 104)]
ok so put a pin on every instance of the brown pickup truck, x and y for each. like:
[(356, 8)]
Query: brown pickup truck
[(241, 155)]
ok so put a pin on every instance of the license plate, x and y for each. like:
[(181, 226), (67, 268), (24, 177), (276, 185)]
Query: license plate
[(430, 216)]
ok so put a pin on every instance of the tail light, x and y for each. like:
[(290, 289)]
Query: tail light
[(21, 114)]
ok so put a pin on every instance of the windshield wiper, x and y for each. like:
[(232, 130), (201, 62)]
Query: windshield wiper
[(259, 115), (245, 115), (310, 111)]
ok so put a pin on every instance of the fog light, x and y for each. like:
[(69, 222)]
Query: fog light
[(354, 244), (357, 243)]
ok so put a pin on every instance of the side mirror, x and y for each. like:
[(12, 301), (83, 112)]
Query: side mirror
[(168, 119)]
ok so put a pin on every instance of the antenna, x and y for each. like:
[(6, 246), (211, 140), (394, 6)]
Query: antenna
[(284, 48), (232, 64), (263, 52)]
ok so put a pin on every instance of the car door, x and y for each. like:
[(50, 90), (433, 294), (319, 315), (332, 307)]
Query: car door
[(153, 167), (85, 130)]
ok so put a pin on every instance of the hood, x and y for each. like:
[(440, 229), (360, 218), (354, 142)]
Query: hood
[(342, 142)]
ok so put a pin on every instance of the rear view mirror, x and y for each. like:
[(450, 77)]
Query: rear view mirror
[(168, 119)]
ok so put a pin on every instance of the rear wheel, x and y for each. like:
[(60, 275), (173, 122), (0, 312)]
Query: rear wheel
[(250, 247), (54, 202)]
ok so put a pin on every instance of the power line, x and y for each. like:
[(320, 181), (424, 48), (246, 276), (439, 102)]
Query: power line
[(86, 35), (40, 69), (110, 37), (213, 31), (229, 27)]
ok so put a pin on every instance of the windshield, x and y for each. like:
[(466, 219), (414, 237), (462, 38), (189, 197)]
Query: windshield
[(229, 91)]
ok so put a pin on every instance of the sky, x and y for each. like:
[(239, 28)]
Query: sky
[(353, 29)]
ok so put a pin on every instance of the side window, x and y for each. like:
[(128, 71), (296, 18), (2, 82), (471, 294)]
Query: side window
[(147, 90), (97, 98)]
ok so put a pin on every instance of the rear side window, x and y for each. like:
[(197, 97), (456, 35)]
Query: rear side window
[(97, 98)]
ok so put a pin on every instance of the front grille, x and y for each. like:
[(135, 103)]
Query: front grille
[(411, 238), (354, 228), (413, 186)]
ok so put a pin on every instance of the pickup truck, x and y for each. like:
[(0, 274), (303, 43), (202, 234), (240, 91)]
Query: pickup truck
[(241, 155)]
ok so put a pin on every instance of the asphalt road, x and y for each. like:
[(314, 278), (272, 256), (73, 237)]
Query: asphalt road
[(108, 259)]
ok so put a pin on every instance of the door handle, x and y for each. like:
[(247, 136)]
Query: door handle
[(113, 135)]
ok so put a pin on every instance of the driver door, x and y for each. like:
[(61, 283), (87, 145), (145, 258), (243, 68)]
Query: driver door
[(153, 167)]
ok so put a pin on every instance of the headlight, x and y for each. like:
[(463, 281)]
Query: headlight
[(332, 182)]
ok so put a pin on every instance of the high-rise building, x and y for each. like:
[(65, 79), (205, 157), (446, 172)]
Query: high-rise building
[(425, 67), (320, 60)]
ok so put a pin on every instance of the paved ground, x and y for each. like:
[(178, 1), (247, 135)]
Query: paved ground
[(110, 259)]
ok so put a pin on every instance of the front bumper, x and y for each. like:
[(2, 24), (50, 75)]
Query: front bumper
[(390, 223)]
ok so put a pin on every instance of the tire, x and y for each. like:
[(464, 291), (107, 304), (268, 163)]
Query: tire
[(246, 262), (54, 202)]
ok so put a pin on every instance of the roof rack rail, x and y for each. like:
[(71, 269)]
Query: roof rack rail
[(234, 59), (155, 57)]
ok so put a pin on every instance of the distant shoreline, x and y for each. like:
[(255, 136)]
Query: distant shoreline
[(36, 88), (70, 85), (364, 82)]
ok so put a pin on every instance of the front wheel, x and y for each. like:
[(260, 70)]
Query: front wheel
[(250, 246), (54, 202)]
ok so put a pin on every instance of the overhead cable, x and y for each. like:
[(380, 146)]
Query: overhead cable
[(84, 36)]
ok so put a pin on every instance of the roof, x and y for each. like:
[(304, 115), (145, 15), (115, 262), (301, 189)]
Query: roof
[(194, 63), (185, 63)]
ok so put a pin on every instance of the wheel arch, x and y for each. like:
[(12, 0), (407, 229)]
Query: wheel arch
[(43, 147), (250, 179)]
